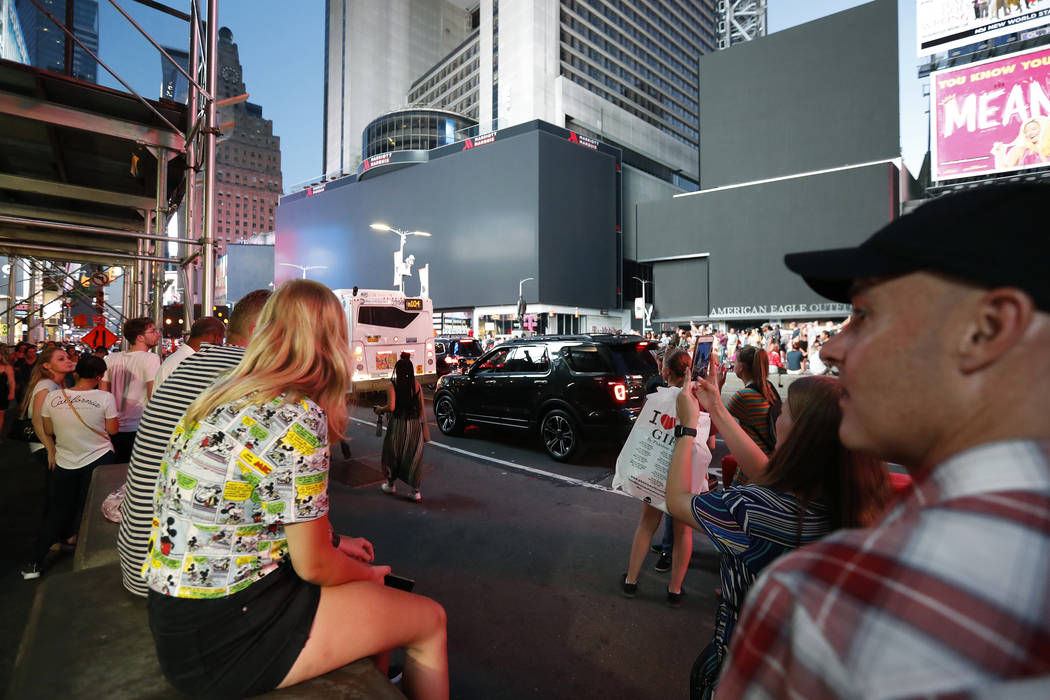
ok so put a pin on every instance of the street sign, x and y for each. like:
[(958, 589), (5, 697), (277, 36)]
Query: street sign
[(100, 279), (81, 321), (648, 314), (98, 321), (99, 337), (639, 307)]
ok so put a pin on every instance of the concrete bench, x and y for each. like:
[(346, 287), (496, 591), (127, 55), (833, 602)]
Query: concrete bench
[(97, 542), (88, 637)]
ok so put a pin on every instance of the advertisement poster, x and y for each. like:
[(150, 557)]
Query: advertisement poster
[(991, 117), (946, 24)]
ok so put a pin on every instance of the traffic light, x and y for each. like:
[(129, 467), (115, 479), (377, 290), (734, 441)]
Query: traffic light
[(100, 301)]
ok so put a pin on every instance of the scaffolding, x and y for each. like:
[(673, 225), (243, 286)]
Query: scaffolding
[(740, 21), (72, 185)]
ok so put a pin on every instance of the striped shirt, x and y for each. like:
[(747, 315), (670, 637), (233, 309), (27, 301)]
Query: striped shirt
[(947, 594), (751, 526), (164, 411), (751, 410)]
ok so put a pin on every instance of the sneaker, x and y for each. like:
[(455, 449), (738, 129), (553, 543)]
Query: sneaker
[(630, 590), (417, 496), (663, 564), (675, 599), (30, 571), (388, 487), (657, 548), (395, 674)]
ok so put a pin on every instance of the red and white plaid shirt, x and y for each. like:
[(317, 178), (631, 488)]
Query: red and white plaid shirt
[(948, 593)]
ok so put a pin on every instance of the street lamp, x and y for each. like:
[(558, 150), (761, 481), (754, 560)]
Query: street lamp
[(644, 282), (304, 268), (401, 270), (521, 297)]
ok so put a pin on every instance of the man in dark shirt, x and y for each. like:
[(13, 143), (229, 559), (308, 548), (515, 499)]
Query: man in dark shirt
[(796, 360)]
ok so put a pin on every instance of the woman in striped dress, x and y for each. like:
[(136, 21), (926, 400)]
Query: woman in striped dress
[(809, 486)]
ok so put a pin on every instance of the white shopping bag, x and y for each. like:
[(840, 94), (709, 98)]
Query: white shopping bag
[(641, 468)]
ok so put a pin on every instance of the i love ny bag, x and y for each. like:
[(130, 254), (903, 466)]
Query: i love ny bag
[(641, 468)]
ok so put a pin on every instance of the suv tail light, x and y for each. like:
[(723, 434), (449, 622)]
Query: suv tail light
[(619, 391)]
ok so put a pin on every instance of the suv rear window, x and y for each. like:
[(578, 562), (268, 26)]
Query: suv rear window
[(629, 359), (586, 358), (465, 348)]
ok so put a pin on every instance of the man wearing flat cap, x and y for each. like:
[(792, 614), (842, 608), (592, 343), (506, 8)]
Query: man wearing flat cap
[(946, 364)]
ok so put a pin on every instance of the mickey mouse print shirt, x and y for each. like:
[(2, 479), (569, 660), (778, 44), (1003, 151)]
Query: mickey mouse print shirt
[(227, 487)]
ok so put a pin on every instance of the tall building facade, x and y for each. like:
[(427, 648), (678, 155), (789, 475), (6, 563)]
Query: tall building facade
[(45, 42), (623, 72), (374, 51), (12, 44), (247, 159)]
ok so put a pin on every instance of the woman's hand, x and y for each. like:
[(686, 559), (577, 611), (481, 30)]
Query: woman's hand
[(379, 573), (688, 408), (356, 548), (50, 457)]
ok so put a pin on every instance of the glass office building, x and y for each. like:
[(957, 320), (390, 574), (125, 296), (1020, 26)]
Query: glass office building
[(46, 43), (412, 130)]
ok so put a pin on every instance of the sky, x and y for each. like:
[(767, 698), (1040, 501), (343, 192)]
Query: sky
[(281, 47)]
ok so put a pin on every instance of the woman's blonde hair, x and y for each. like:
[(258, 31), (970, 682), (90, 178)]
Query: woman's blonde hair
[(299, 347), (1042, 144)]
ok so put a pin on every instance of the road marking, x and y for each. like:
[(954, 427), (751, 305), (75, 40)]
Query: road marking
[(513, 465)]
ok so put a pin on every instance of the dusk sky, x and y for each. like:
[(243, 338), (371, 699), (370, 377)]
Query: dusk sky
[(281, 45)]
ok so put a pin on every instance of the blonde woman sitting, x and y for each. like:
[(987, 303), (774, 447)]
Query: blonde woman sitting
[(250, 590)]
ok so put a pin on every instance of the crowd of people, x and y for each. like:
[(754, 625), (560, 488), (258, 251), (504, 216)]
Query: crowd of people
[(829, 586)]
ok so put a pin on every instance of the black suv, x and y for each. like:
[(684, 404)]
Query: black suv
[(570, 389), (455, 353)]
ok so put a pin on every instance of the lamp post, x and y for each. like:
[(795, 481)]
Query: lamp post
[(400, 269), (521, 300), (304, 268), (644, 314)]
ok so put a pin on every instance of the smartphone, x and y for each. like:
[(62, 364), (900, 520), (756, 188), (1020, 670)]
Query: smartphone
[(399, 582), (702, 355)]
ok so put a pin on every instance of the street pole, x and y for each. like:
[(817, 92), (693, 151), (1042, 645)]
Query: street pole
[(192, 203), (159, 220), (211, 131)]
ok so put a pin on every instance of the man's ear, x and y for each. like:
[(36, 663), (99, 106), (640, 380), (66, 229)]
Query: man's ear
[(1000, 318)]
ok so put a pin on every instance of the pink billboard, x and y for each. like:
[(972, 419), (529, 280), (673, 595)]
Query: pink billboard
[(991, 117)]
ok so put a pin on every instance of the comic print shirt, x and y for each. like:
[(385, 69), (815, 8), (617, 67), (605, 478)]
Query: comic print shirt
[(227, 486)]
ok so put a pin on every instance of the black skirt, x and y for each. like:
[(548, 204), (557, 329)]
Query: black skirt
[(240, 645)]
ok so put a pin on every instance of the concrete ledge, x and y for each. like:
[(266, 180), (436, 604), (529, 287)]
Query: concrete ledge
[(86, 637), (97, 542)]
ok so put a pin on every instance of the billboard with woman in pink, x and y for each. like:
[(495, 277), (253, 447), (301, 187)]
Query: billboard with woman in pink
[(991, 117)]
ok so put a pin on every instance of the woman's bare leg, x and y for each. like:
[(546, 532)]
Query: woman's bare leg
[(362, 619), (680, 555), (643, 536)]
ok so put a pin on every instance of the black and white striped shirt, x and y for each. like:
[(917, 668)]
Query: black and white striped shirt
[(164, 411)]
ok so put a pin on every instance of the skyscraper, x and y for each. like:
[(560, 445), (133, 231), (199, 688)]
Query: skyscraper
[(606, 68), (247, 158), (12, 45), (45, 42)]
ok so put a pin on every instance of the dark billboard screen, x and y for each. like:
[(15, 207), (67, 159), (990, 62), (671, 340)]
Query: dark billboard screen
[(482, 208)]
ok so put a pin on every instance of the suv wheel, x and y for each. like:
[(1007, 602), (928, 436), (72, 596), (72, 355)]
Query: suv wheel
[(560, 436), (447, 415)]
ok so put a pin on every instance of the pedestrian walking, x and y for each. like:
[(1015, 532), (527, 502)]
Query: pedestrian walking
[(406, 431), (129, 376)]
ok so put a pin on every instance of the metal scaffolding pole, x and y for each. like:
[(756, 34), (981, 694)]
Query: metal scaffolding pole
[(211, 131), (160, 218), (190, 198), (12, 264)]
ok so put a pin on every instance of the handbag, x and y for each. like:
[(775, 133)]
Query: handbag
[(23, 431), (643, 463)]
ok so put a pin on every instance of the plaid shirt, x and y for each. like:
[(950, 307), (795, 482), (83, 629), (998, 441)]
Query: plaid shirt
[(948, 593)]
